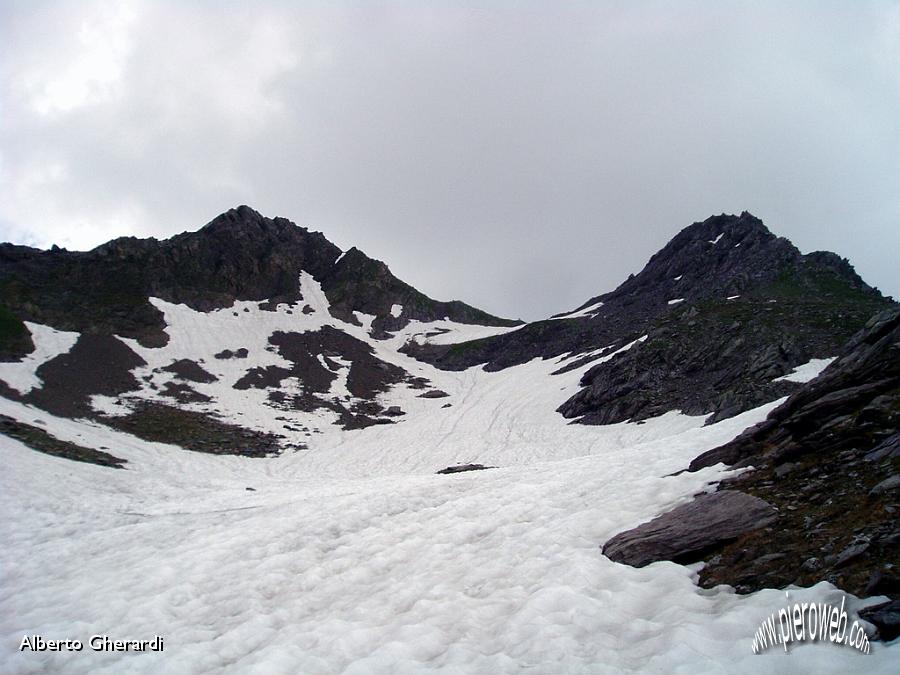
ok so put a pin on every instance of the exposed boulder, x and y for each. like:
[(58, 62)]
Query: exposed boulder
[(685, 533)]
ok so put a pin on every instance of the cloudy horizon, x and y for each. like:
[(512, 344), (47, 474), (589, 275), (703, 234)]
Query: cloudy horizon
[(519, 157)]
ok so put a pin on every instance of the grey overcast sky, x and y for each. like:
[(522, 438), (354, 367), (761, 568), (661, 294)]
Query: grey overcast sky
[(522, 156)]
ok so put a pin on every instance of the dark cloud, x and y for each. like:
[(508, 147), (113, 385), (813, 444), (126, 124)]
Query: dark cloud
[(522, 157)]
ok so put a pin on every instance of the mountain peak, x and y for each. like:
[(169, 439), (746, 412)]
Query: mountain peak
[(719, 256), (244, 220)]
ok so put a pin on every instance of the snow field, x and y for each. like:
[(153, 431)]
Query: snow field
[(352, 556)]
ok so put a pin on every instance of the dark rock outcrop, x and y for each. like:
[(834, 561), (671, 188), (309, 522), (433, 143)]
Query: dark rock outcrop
[(241, 353), (358, 283), (194, 431), (686, 533), (15, 338), (853, 402), (185, 369)]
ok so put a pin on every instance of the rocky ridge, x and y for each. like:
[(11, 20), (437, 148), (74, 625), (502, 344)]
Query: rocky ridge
[(240, 255), (726, 307)]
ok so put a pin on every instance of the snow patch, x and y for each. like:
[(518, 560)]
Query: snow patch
[(590, 310), (396, 310), (716, 240), (48, 344), (313, 294), (732, 297), (365, 319), (446, 332), (678, 278), (806, 372), (675, 301)]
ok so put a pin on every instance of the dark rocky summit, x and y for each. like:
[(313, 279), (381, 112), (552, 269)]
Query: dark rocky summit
[(240, 255), (828, 460), (726, 307)]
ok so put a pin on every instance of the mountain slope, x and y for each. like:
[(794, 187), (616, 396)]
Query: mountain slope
[(174, 339), (251, 313), (309, 531), (724, 309), (240, 255)]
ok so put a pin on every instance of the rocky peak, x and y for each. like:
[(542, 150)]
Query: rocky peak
[(239, 255), (715, 320), (244, 222), (719, 256)]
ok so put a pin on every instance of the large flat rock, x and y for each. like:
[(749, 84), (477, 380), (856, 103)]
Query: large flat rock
[(685, 533)]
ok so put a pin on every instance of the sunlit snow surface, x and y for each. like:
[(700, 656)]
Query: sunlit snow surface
[(352, 556)]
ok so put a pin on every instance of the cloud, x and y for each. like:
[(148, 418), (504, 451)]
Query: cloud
[(522, 157)]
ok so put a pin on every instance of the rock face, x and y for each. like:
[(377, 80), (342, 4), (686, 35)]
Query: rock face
[(684, 534), (240, 255), (854, 402), (40, 440), (358, 283), (726, 307)]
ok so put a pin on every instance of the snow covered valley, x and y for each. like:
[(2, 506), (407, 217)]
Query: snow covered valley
[(353, 556), (346, 552)]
